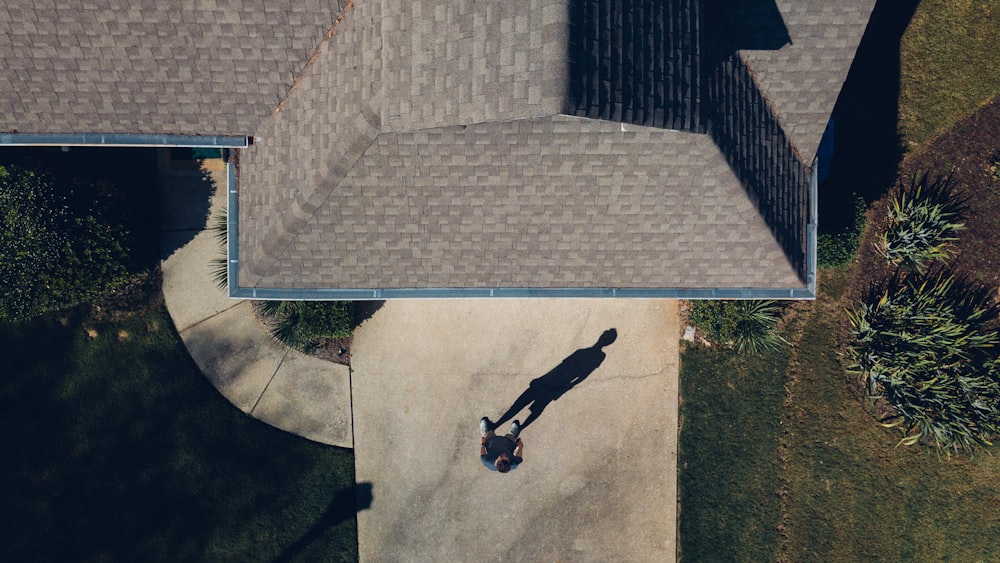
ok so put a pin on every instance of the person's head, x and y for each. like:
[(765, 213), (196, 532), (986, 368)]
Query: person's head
[(607, 338), (502, 463)]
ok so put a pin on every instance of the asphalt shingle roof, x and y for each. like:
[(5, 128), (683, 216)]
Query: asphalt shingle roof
[(458, 62), (422, 144), (214, 67), (802, 79), (547, 202), (307, 148)]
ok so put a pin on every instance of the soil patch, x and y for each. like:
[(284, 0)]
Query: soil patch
[(969, 153), (336, 350), (136, 296)]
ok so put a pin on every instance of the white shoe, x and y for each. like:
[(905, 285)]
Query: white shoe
[(515, 428)]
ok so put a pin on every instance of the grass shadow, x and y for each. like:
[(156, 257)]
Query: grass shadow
[(867, 146), (120, 449), (345, 504)]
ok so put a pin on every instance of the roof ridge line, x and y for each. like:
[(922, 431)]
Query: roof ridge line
[(548, 115), (329, 194), (770, 106), (463, 125), (315, 54)]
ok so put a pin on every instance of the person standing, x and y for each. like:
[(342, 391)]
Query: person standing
[(500, 453)]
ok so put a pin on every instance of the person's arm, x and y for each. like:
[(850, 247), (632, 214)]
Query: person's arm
[(518, 448), (482, 446)]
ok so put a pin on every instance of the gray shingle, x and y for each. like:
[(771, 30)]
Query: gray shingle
[(448, 62), (163, 60), (421, 146), (802, 80), (567, 202), (319, 133)]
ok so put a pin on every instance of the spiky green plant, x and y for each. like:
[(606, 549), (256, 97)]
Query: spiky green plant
[(923, 221), (300, 323), (745, 326), (927, 345), (220, 266)]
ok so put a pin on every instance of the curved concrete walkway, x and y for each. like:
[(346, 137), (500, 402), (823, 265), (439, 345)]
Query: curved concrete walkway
[(291, 391)]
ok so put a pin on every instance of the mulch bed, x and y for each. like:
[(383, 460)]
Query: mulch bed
[(336, 350), (138, 295), (967, 153)]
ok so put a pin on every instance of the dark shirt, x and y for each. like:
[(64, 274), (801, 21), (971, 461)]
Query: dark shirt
[(495, 447)]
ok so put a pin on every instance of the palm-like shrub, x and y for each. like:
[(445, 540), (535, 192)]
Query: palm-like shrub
[(299, 324), (220, 266), (927, 345), (923, 220), (746, 326)]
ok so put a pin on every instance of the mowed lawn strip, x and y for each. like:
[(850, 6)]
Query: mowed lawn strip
[(949, 66), (117, 448), (852, 494), (729, 475)]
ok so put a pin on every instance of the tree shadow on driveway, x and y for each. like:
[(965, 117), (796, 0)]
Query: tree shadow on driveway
[(549, 387)]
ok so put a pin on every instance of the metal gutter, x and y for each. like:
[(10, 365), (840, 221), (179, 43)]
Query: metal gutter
[(812, 228), (122, 140), (232, 231), (510, 293)]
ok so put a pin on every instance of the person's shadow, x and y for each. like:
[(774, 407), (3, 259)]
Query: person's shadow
[(549, 387)]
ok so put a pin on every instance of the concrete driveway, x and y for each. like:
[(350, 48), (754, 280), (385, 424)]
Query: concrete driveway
[(598, 482)]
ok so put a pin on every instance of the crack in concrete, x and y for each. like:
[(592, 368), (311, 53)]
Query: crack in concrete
[(269, 381), (599, 378), (210, 317)]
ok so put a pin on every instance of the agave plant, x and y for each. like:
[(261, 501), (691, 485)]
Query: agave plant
[(746, 326), (927, 345), (923, 222)]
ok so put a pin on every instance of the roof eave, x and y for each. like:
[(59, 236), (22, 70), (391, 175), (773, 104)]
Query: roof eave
[(123, 140)]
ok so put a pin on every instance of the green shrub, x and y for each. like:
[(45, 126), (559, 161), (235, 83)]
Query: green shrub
[(299, 324), (923, 222), (54, 252), (927, 345), (220, 265), (834, 250), (745, 326)]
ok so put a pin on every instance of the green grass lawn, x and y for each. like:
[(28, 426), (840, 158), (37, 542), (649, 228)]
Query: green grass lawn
[(118, 449), (852, 494), (949, 65), (729, 474)]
